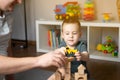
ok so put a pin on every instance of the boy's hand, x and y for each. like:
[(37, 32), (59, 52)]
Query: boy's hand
[(78, 56)]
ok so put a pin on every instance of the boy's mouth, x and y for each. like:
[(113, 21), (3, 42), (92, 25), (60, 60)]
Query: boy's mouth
[(70, 40)]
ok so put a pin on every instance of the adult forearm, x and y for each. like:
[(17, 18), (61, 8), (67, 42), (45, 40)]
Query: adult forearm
[(14, 65)]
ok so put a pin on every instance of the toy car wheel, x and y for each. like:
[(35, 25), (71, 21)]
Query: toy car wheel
[(105, 51), (60, 17), (67, 17), (57, 17)]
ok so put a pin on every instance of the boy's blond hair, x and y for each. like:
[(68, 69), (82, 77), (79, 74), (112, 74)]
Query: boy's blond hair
[(72, 21)]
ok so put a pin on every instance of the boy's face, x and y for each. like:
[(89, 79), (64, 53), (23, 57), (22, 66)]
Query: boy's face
[(8, 5), (71, 34)]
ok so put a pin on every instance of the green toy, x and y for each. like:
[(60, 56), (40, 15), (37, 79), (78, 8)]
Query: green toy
[(108, 47)]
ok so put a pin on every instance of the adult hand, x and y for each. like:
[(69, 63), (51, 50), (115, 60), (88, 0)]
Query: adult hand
[(54, 58)]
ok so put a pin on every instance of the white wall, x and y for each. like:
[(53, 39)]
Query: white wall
[(43, 9)]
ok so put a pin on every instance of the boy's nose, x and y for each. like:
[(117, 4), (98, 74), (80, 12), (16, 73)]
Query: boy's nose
[(71, 35)]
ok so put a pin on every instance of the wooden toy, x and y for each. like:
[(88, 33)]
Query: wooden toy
[(58, 75), (118, 8), (81, 75), (67, 10), (88, 11), (68, 72)]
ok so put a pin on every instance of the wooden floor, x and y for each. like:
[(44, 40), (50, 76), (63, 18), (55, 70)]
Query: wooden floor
[(99, 70)]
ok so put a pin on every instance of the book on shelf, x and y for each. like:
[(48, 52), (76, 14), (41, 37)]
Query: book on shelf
[(53, 38), (58, 39), (49, 37)]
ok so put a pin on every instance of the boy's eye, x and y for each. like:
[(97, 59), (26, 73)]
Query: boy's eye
[(74, 32), (67, 33)]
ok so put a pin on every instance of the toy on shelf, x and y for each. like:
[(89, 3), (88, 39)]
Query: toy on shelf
[(118, 8), (67, 10), (89, 11), (106, 17), (108, 47), (115, 52)]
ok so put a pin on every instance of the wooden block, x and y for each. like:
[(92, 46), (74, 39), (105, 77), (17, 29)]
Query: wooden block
[(67, 77), (81, 69), (80, 76), (68, 65), (58, 75), (68, 71)]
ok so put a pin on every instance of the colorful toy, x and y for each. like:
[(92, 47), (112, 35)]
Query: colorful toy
[(99, 47), (89, 11), (106, 17), (70, 52), (115, 52), (67, 10), (108, 46)]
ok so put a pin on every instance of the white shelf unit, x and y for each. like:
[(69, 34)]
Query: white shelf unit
[(93, 32)]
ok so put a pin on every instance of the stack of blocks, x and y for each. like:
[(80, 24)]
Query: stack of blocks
[(80, 75), (58, 75)]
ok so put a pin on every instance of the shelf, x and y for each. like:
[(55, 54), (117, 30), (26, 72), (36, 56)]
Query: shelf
[(102, 56), (93, 32), (83, 23)]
